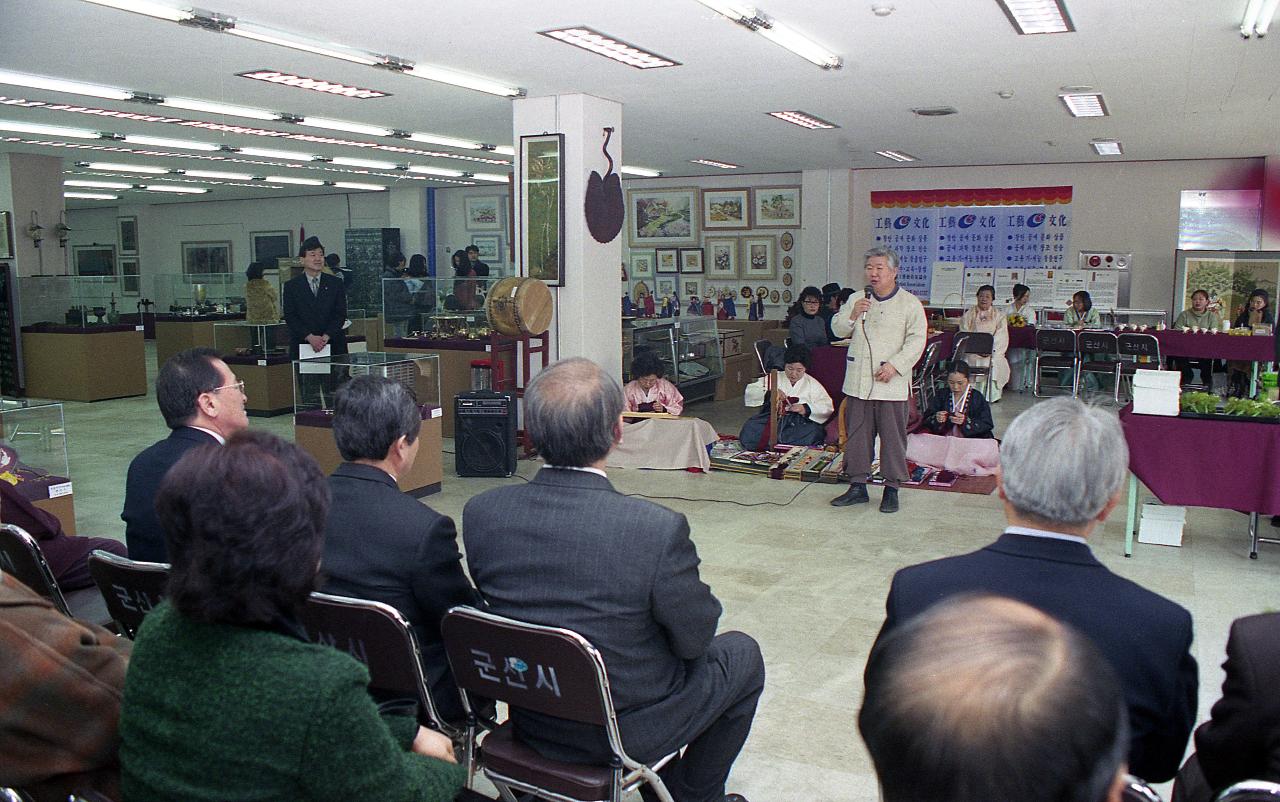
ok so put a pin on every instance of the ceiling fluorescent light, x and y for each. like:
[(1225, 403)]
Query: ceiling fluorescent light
[(261, 33), (90, 196), (1107, 147), (288, 179), (218, 174), (500, 178), (505, 150), (1084, 104), (612, 48), (1037, 16), (756, 20), (209, 107), (267, 153), (425, 170), (372, 164), (314, 84), (448, 141), (149, 9), (465, 81), (1258, 15), (1267, 17), (77, 182), (343, 125), (355, 185), (644, 172), (47, 130), (59, 85), (161, 142), (175, 189), (126, 168), (896, 155), (802, 119), (714, 163)]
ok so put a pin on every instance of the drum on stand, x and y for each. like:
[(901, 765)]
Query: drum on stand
[(519, 306)]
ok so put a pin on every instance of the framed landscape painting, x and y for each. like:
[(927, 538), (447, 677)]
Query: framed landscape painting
[(485, 213), (662, 217), (542, 207), (726, 209), (691, 260), (776, 207), (668, 260)]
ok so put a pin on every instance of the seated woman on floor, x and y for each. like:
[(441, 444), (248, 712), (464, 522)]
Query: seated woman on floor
[(962, 440), (962, 411), (807, 405), (648, 390)]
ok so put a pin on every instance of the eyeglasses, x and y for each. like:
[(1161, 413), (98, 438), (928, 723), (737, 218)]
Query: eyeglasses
[(238, 385)]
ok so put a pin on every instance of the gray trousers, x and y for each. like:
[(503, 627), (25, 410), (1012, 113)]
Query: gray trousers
[(863, 420)]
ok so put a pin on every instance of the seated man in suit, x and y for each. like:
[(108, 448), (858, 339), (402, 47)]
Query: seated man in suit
[(202, 402), (381, 544), (1043, 559), (315, 306), (982, 699), (1241, 739), (567, 550)]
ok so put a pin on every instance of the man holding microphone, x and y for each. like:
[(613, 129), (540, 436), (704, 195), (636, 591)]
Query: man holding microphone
[(887, 329)]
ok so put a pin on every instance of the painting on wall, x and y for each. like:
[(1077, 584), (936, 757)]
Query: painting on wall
[(658, 217), (484, 213), (691, 260), (1228, 276), (757, 260), (95, 260), (542, 207), (490, 246), (268, 246), (642, 265), (721, 257), (206, 257), (776, 207), (726, 209), (127, 235), (668, 260), (6, 235), (130, 277)]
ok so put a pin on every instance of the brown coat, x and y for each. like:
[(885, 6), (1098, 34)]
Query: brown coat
[(260, 298), (59, 691)]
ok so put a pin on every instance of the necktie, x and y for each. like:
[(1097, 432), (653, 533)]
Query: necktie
[(315, 285)]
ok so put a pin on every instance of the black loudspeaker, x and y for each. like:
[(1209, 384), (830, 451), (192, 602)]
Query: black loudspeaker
[(484, 433)]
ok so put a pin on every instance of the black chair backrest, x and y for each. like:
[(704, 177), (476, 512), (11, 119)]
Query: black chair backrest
[(130, 588), (1136, 790), (541, 669), (932, 355), (1251, 791), (977, 343), (762, 352), (12, 795), (1096, 342), (1055, 340), (1130, 344), (88, 796), (21, 558)]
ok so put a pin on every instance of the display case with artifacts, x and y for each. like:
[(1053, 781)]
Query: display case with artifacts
[(315, 382), (689, 348), (74, 345), (33, 458), (258, 354), (188, 305)]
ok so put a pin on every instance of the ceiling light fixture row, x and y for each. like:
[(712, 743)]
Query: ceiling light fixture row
[(225, 23), (1083, 103), (803, 119), (314, 84), (130, 168), (753, 19), (1037, 16), (714, 163), (1258, 16), (610, 47), (1107, 147), (896, 155)]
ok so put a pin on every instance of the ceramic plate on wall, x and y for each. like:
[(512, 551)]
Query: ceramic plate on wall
[(746, 291), (788, 241), (775, 296), (786, 263), (786, 296), (786, 279)]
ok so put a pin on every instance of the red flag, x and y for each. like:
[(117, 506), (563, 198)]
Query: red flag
[(302, 235)]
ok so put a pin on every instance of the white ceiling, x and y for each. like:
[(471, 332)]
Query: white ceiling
[(1177, 77)]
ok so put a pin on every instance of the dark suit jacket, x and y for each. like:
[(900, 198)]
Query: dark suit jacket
[(1146, 638), (1241, 739), (142, 532), (977, 423), (383, 545), (567, 550), (319, 314)]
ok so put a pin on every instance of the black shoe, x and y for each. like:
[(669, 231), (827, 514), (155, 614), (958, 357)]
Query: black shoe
[(856, 494), (889, 501)]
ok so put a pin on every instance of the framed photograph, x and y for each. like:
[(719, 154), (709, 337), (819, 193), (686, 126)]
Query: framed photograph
[(642, 265), (660, 217), (691, 260), (541, 234), (268, 246), (666, 286), (484, 213), (130, 276), (206, 257), (726, 209), (490, 246), (127, 235), (775, 207), (668, 260), (689, 287), (94, 260), (721, 254), (6, 235), (757, 258)]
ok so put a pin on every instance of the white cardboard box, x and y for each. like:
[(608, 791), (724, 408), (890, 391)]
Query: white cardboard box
[(1162, 525), (1156, 392)]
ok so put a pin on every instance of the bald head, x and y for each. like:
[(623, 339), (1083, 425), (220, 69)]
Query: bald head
[(985, 698), (571, 413)]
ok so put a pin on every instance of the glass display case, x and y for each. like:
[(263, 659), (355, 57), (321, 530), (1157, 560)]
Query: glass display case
[(435, 308), (689, 349), (316, 380), (36, 432), (197, 294), (79, 301), (238, 338)]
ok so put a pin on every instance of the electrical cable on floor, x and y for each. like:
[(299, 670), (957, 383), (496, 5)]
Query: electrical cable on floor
[(788, 503)]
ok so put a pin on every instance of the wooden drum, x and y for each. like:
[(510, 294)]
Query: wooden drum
[(519, 306)]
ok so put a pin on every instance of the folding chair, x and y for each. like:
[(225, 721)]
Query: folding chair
[(1136, 790), (130, 588), (13, 795), (979, 344), (1251, 791), (20, 556), (545, 670), (1145, 352), (1098, 355), (1055, 351), (922, 378)]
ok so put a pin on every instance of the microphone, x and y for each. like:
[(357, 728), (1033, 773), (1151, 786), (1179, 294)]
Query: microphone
[(866, 292)]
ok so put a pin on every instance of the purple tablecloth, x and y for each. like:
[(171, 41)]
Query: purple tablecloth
[(1191, 462), (1254, 348)]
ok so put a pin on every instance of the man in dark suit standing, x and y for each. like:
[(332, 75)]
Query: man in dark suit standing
[(567, 550), (1043, 559), (315, 306), (202, 402), (382, 544)]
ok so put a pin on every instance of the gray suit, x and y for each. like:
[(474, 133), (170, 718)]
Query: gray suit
[(567, 550)]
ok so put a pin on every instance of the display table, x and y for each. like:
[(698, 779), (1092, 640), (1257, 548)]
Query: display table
[(1254, 348), (456, 355), (89, 363), (176, 333), (1190, 462), (370, 328), (268, 382), (313, 433), (664, 444)]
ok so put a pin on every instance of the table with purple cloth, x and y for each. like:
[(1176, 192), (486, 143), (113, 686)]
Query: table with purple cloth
[(1233, 468)]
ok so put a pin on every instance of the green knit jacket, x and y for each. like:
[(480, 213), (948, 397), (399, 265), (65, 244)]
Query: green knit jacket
[(220, 713)]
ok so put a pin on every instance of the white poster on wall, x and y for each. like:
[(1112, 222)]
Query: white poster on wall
[(973, 279), (1104, 288), (1040, 282), (1004, 281), (946, 284), (1067, 283)]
